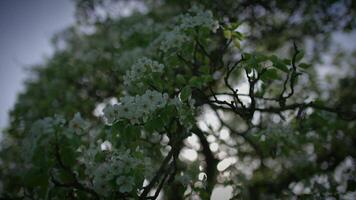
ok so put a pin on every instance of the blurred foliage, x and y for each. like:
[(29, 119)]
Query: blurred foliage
[(133, 82)]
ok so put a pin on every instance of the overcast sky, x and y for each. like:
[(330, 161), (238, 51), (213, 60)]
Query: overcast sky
[(26, 27)]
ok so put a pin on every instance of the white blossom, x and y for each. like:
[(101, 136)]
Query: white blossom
[(196, 17), (110, 113), (106, 146), (137, 108), (126, 183), (172, 40), (78, 124), (140, 70)]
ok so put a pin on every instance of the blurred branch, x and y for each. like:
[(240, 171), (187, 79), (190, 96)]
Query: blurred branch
[(211, 161)]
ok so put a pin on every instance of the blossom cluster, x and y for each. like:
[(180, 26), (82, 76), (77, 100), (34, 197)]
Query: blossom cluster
[(124, 60), (45, 130), (177, 37), (78, 125), (118, 167), (185, 112), (140, 70), (137, 108), (42, 131), (144, 27), (172, 40), (196, 18)]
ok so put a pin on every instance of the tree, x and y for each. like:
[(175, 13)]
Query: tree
[(112, 113)]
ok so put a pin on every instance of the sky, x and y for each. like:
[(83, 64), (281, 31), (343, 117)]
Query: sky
[(26, 27)]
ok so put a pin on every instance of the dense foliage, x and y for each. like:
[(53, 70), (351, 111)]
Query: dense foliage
[(179, 97)]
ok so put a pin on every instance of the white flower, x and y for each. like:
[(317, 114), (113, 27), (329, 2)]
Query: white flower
[(59, 120), (120, 180), (78, 124), (106, 146), (110, 113), (124, 111), (102, 176), (184, 179), (172, 40), (144, 104), (140, 70), (125, 188), (136, 109), (156, 67), (156, 98), (197, 18), (126, 183)]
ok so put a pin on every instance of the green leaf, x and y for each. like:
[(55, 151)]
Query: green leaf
[(199, 81), (100, 156), (261, 58), (237, 43), (287, 61), (237, 35), (180, 79), (299, 56), (185, 93), (274, 58), (205, 69), (248, 68), (247, 56), (154, 125), (252, 62), (281, 66), (68, 155), (168, 112), (35, 177), (133, 131), (64, 176), (207, 78), (234, 25), (319, 102), (240, 36), (227, 34), (270, 74), (304, 65)]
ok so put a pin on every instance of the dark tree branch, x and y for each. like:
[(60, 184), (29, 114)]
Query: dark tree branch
[(342, 114), (211, 161), (75, 183)]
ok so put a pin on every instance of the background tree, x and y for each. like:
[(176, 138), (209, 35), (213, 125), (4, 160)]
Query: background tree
[(112, 114)]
